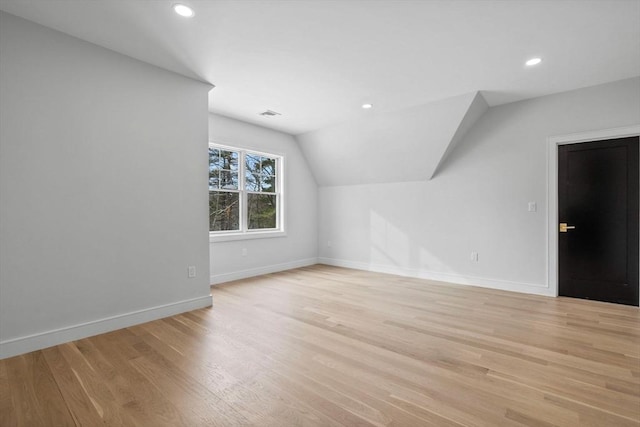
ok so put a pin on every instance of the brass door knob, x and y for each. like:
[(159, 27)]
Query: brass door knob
[(564, 227)]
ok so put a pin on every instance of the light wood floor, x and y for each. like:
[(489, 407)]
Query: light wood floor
[(324, 346)]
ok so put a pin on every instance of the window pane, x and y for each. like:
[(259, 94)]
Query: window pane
[(268, 183), (261, 211), (224, 211), (252, 163), (228, 180), (268, 166), (229, 160), (251, 181), (214, 159), (214, 169), (214, 181)]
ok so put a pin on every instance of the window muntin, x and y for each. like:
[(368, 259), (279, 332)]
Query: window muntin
[(244, 191)]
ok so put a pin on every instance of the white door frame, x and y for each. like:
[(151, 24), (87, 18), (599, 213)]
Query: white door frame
[(552, 191)]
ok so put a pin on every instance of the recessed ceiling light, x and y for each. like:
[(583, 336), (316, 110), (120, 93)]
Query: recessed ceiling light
[(533, 61), (183, 10), (367, 106)]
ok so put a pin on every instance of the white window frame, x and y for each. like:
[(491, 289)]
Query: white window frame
[(244, 232)]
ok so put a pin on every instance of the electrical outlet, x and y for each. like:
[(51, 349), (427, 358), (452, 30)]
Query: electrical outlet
[(532, 207), (474, 256), (244, 251), (191, 271)]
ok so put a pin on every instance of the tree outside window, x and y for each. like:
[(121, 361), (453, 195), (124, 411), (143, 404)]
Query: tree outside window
[(244, 190)]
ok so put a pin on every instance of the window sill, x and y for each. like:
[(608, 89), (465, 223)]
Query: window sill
[(250, 235)]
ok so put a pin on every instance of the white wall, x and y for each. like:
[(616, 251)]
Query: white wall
[(478, 202), (299, 246), (103, 189)]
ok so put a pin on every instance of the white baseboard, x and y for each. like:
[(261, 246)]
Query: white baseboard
[(505, 285), (243, 274), (21, 345)]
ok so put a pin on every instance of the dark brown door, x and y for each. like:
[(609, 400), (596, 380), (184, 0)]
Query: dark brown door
[(598, 202)]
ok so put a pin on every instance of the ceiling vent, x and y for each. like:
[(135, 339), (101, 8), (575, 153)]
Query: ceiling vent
[(270, 113)]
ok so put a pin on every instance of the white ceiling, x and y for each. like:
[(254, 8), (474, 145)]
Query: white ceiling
[(359, 151), (317, 61)]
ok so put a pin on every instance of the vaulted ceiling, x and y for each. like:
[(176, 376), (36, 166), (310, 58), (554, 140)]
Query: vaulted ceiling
[(403, 145), (317, 61)]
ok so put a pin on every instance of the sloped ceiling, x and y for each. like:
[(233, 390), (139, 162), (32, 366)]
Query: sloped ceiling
[(404, 145), (317, 61)]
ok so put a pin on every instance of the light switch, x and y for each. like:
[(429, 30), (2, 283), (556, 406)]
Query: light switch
[(533, 206)]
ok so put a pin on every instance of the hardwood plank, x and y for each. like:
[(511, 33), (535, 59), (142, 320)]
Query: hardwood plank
[(24, 379), (85, 407), (258, 400), (387, 375), (138, 395), (139, 401), (327, 346)]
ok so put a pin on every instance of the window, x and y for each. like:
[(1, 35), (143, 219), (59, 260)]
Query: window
[(245, 192)]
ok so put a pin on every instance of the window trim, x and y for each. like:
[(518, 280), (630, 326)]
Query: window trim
[(244, 233)]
